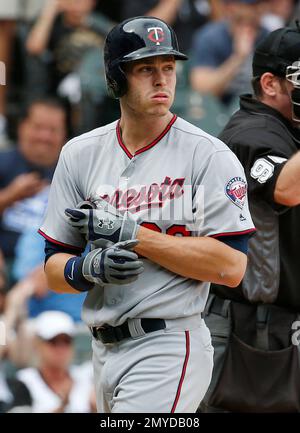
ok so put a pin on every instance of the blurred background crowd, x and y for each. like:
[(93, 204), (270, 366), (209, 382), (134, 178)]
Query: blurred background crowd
[(51, 53)]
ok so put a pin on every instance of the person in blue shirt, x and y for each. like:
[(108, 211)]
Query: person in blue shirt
[(42, 298), (26, 170), (222, 51)]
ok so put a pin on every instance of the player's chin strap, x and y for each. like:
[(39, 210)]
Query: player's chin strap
[(293, 76)]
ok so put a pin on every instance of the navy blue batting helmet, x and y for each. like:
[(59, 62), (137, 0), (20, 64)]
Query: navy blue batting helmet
[(134, 39)]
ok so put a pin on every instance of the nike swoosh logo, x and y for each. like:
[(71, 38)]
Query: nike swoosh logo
[(72, 271)]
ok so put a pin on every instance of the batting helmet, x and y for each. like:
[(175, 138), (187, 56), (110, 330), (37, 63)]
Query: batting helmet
[(134, 39)]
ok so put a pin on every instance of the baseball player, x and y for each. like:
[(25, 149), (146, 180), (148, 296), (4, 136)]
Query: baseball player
[(169, 215)]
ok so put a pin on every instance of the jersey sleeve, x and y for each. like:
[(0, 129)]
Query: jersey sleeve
[(220, 201), (64, 193), (263, 162), (238, 242)]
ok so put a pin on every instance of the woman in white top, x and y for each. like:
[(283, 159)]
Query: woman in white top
[(55, 385)]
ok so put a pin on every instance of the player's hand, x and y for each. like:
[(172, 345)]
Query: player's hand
[(103, 223), (115, 265)]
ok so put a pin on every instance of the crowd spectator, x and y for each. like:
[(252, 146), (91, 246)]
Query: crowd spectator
[(185, 16), (14, 395), (26, 171), (28, 298), (278, 13), (55, 385), (64, 51), (10, 13), (20, 349), (31, 266), (223, 50), (18, 332)]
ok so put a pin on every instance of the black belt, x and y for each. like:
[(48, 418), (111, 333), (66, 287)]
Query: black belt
[(112, 334)]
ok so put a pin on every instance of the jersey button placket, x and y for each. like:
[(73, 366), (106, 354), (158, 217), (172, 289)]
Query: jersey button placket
[(127, 173)]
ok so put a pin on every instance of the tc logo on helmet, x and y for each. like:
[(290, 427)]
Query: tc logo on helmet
[(156, 35)]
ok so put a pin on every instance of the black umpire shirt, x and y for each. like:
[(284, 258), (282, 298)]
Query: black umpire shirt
[(264, 140)]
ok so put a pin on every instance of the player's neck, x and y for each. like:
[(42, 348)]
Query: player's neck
[(137, 134)]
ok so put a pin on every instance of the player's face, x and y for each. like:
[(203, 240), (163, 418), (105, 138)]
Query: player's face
[(151, 86)]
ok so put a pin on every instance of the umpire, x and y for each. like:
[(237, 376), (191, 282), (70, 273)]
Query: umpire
[(254, 328)]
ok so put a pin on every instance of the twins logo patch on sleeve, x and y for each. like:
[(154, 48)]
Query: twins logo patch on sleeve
[(236, 191)]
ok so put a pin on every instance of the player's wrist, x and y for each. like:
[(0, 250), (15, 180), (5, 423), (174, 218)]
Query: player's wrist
[(129, 228), (74, 276)]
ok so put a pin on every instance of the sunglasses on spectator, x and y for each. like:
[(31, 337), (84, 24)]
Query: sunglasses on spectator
[(62, 340)]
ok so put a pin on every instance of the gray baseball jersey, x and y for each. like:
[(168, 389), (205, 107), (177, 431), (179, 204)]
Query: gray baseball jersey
[(184, 183)]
